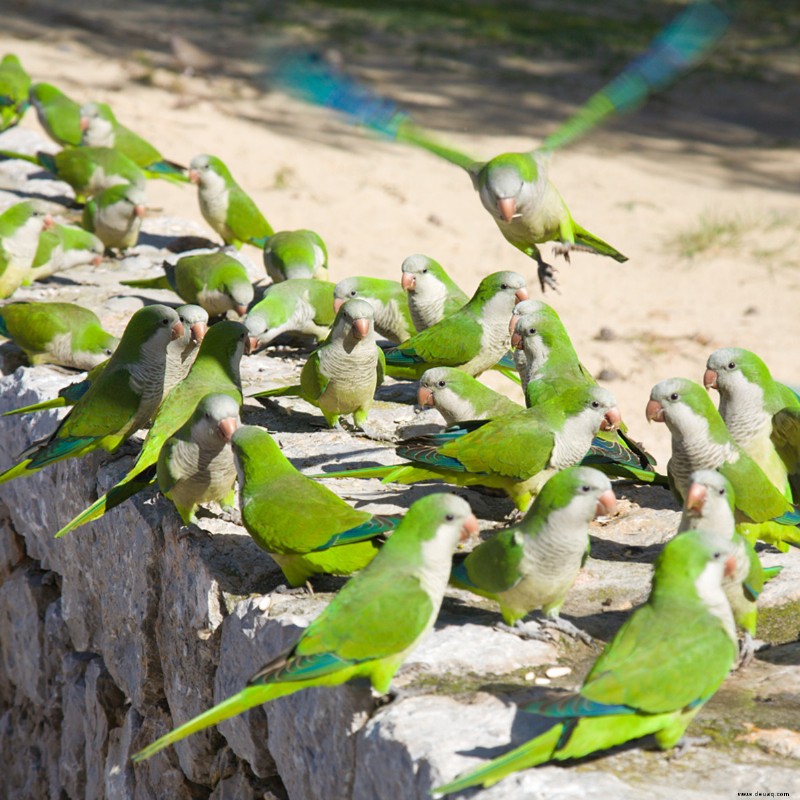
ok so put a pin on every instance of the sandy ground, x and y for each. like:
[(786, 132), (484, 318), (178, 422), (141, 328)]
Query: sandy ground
[(375, 202)]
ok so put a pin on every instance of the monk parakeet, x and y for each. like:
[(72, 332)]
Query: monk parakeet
[(115, 215), (371, 625), (195, 465), (298, 305), (341, 375), (432, 293), (59, 115), (14, 86), (20, 226), (534, 564), (216, 281), (224, 204), (700, 440), (473, 339), (303, 525), (762, 415), (459, 397), (215, 371), (388, 301), (122, 399), (62, 247), (100, 128), (295, 254), (635, 688), (57, 333)]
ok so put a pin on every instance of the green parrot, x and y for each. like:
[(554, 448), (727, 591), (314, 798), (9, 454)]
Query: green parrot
[(761, 414), (432, 293), (20, 227), (709, 507), (215, 371), (459, 397), (195, 465), (473, 339), (88, 170), (533, 564), (115, 215), (119, 402), (517, 454), (62, 247), (370, 626), (57, 333), (303, 525), (225, 205), (294, 254), (341, 375), (217, 281), (388, 300), (298, 305), (100, 128), (14, 86), (700, 440), (59, 115), (663, 664)]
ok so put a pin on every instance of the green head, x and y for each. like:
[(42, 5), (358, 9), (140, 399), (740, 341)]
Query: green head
[(504, 289), (421, 274), (224, 344), (709, 504), (733, 370), (131, 197), (17, 215), (203, 166), (364, 288), (215, 420), (510, 185), (544, 339), (686, 409), (46, 93), (195, 323), (354, 319), (295, 254), (154, 326), (594, 402), (257, 455)]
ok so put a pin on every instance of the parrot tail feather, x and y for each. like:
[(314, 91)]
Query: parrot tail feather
[(371, 529), (56, 402)]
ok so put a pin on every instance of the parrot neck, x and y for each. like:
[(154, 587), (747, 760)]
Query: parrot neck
[(744, 412), (454, 408), (427, 306), (574, 439), (711, 593)]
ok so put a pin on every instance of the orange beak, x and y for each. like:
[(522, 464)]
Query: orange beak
[(470, 528), (696, 498), (48, 222), (361, 327), (177, 330), (241, 310), (521, 294), (512, 323), (611, 420), (227, 427), (250, 345), (507, 207), (198, 331), (424, 396), (710, 379), (84, 124), (97, 261), (654, 411), (606, 504), (194, 176), (139, 211), (730, 566), (408, 282), (516, 341), (337, 304)]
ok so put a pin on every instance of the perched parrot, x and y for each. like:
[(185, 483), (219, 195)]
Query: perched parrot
[(459, 397), (304, 526), (534, 564), (635, 688), (517, 454), (62, 247), (59, 115), (700, 440), (388, 301), (295, 254), (473, 339), (224, 204), (298, 305), (371, 625), (115, 215), (217, 281), (14, 86), (762, 415), (20, 226), (57, 333), (341, 375), (100, 128), (119, 402), (215, 371), (432, 293), (195, 465)]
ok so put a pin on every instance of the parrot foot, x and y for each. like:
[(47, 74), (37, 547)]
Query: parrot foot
[(527, 630), (547, 274), (231, 514), (748, 647), (297, 591), (566, 627), (686, 743), (565, 248)]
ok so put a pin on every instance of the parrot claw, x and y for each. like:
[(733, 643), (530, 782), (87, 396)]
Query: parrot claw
[(527, 630), (748, 647), (686, 743), (547, 275), (566, 627), (299, 591)]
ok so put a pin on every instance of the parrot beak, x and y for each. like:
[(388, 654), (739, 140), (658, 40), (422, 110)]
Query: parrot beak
[(696, 498), (469, 529), (730, 566), (512, 323), (606, 504), (516, 341), (654, 411), (361, 327), (250, 345), (227, 427), (198, 332), (521, 294), (424, 396), (97, 261), (710, 379), (48, 222), (338, 302), (408, 282), (241, 309), (177, 330), (194, 176), (84, 124), (139, 211), (611, 420), (507, 207)]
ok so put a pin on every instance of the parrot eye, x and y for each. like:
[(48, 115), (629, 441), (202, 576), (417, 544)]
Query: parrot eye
[(717, 555), (353, 293), (165, 322), (442, 384), (504, 286), (721, 492), (586, 488), (109, 351), (424, 270), (531, 331), (450, 517), (674, 396), (595, 404), (732, 365)]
